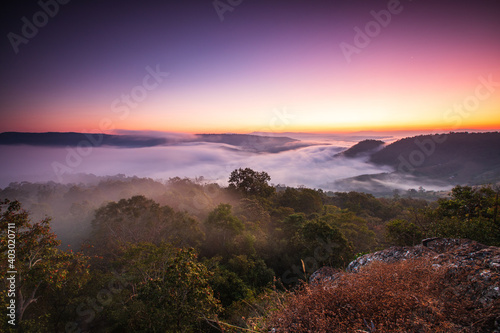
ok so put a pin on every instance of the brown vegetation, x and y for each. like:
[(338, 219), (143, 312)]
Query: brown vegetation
[(406, 296)]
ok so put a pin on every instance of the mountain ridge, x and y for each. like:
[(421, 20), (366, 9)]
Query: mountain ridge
[(457, 156), (429, 160), (250, 142), (365, 147)]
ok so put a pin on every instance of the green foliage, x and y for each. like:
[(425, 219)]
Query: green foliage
[(354, 228), (293, 223), (302, 200), (228, 287), (222, 227), (467, 202), (470, 212), (251, 182), (254, 272), (315, 234), (312, 241), (361, 204), (479, 229), (45, 274), (171, 289), (250, 239), (403, 233), (139, 219), (253, 213), (221, 218)]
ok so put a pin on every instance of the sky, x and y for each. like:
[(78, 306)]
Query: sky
[(235, 66)]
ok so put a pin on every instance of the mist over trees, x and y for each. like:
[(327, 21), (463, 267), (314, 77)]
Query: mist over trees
[(187, 255)]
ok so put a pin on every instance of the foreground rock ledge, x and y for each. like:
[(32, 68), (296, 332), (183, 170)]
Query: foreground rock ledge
[(481, 263)]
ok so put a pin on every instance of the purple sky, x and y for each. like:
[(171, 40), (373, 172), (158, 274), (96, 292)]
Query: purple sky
[(232, 75)]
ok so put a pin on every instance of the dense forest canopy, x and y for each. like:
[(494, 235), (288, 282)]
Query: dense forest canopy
[(135, 254)]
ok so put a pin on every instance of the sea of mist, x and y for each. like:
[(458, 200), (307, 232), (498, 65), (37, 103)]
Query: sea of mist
[(314, 166)]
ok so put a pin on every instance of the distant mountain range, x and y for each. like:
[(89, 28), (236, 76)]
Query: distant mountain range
[(57, 139), (446, 159), (248, 142)]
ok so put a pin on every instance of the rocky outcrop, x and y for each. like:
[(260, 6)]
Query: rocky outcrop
[(325, 274), (437, 249), (390, 255), (479, 263), (441, 285)]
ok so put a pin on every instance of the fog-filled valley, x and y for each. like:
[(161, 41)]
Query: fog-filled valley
[(372, 163), (312, 165), (239, 219), (69, 183), (235, 166), (236, 248), (72, 206)]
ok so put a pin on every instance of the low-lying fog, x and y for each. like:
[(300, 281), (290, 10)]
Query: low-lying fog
[(313, 166)]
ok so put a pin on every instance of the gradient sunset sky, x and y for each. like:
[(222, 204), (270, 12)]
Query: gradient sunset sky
[(267, 66)]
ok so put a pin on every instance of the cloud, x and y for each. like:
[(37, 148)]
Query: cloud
[(315, 167), (311, 162), (384, 183)]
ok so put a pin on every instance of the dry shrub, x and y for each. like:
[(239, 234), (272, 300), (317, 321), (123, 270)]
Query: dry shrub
[(407, 296)]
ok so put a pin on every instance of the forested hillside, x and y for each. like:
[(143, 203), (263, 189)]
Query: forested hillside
[(431, 161), (190, 256), (454, 157)]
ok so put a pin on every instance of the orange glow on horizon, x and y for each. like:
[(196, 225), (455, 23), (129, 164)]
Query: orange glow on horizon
[(91, 126)]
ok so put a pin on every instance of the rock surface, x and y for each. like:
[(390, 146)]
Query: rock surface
[(325, 274), (479, 262)]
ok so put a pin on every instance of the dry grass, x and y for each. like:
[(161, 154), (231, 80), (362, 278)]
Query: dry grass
[(408, 296)]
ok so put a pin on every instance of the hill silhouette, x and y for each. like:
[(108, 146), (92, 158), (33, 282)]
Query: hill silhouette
[(364, 147), (456, 157), (72, 139), (431, 161)]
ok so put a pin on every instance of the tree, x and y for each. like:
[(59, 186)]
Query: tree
[(254, 272), (222, 218), (293, 223), (354, 228), (317, 234), (42, 269), (313, 241), (302, 200), (402, 233), (139, 219), (251, 182), (252, 212), (222, 227), (469, 213), (226, 284), (171, 289), (467, 202)]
